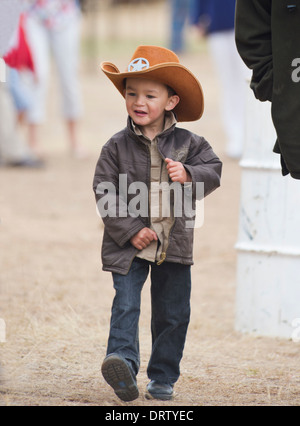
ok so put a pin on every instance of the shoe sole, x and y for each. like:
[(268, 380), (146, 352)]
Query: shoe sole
[(117, 374), (161, 397)]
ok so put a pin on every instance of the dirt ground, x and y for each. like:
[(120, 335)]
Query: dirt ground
[(56, 300)]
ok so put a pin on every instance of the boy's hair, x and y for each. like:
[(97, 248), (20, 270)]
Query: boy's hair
[(171, 92)]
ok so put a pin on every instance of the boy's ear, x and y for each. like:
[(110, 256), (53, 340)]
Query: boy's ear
[(172, 102)]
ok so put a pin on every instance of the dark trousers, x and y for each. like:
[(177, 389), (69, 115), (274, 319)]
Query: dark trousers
[(170, 301)]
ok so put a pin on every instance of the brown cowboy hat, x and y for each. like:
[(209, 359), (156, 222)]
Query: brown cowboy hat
[(162, 65)]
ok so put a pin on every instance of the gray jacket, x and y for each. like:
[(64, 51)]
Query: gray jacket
[(125, 154)]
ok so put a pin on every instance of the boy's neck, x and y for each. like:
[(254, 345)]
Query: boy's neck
[(151, 132)]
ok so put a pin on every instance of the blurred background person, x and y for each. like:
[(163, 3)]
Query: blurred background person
[(215, 21), (10, 11), (54, 26), (13, 150), (179, 17)]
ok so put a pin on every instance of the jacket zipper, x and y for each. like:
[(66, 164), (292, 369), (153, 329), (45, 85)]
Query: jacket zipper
[(162, 258), (163, 254)]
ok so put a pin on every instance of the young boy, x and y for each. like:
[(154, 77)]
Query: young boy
[(149, 156)]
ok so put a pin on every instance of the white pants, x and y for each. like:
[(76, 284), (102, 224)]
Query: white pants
[(233, 75), (12, 146), (64, 44)]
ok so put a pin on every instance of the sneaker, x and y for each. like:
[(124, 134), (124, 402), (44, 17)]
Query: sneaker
[(119, 376), (157, 390)]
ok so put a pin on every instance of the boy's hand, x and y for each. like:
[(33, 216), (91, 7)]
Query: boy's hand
[(143, 238), (177, 171)]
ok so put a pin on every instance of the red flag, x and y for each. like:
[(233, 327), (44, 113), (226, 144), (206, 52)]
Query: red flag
[(19, 56)]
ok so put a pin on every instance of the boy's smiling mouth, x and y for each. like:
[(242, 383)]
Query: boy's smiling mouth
[(140, 113)]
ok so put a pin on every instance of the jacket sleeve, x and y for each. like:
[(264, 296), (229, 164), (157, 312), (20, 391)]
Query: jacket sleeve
[(203, 165), (254, 43), (111, 205)]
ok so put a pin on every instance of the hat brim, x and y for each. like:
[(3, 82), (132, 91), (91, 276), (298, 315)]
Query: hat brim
[(174, 75)]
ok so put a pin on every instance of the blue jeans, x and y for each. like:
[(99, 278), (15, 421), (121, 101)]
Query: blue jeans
[(170, 302)]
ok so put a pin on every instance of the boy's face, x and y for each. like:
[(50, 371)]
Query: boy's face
[(146, 103)]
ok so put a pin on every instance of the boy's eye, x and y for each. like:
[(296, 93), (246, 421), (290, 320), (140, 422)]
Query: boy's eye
[(131, 94), (150, 96)]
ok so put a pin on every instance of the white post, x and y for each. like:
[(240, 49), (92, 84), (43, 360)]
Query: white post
[(268, 247), (2, 71)]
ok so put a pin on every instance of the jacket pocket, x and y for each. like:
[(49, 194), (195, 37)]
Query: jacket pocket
[(181, 246)]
